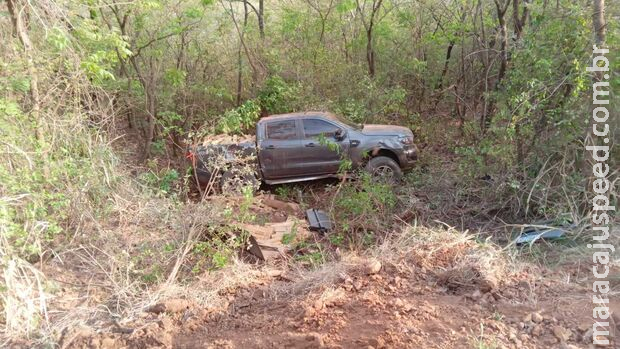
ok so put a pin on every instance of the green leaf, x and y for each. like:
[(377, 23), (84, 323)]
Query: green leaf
[(20, 84), (345, 6)]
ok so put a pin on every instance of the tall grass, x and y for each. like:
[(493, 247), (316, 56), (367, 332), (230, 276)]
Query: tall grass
[(57, 168)]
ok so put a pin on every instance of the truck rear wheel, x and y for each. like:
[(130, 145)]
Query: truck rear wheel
[(233, 182), (384, 168)]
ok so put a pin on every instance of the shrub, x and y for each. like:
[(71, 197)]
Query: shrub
[(240, 119), (277, 96), (363, 205)]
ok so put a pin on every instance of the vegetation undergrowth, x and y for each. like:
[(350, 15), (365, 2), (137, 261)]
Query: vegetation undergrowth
[(98, 100)]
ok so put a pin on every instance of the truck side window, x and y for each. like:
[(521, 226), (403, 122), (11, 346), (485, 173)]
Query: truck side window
[(315, 127), (281, 130)]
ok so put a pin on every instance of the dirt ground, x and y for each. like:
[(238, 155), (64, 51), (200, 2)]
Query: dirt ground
[(376, 305), (371, 306)]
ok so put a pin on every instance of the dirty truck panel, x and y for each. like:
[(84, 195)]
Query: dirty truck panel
[(295, 147)]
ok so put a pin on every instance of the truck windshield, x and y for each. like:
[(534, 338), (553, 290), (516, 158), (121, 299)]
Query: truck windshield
[(346, 122)]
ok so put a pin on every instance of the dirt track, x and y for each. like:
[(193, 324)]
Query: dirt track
[(395, 308)]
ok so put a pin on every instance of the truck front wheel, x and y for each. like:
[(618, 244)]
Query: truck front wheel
[(384, 168)]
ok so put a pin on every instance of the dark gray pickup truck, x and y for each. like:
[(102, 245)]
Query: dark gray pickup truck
[(296, 147)]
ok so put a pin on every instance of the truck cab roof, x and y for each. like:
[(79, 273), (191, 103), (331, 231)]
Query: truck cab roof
[(299, 115)]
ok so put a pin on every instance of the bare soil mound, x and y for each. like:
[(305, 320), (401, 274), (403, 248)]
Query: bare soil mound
[(370, 306)]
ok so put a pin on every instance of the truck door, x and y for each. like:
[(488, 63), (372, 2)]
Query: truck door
[(279, 149), (320, 158)]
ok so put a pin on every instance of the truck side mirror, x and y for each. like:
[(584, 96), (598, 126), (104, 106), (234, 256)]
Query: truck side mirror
[(339, 135)]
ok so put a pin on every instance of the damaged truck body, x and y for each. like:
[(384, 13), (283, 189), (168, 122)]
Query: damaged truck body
[(303, 146)]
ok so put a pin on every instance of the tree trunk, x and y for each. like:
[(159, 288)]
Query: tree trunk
[(261, 19), (370, 53), (241, 34), (486, 65), (599, 23), (151, 107), (503, 36), (598, 19), (369, 26), (151, 110), (446, 63), (518, 18), (239, 56), (24, 38)]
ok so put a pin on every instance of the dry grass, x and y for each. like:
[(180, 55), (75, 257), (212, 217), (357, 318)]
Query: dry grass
[(97, 279), (24, 299), (212, 289), (306, 281), (455, 258)]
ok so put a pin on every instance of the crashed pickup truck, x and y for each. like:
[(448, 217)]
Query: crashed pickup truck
[(300, 147)]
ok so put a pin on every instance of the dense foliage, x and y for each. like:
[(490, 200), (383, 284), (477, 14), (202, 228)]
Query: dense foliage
[(500, 87), (513, 85)]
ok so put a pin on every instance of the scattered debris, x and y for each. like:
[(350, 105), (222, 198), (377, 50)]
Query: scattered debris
[(373, 267), (266, 242), (561, 333), (530, 236), (170, 306), (288, 207), (318, 220), (228, 139)]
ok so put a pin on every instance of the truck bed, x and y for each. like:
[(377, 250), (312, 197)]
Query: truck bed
[(224, 139), (217, 154)]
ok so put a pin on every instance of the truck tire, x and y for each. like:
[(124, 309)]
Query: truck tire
[(233, 182), (384, 168)]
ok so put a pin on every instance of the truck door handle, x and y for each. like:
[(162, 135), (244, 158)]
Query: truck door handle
[(271, 146), (309, 144)]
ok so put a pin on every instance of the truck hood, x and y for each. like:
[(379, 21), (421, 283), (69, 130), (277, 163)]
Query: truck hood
[(385, 130)]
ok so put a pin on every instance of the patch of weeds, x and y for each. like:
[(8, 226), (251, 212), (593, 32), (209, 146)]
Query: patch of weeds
[(336, 239), (285, 191), (497, 316), (147, 263), (368, 239), (217, 252), (169, 247), (154, 275), (220, 259), (158, 147), (481, 342), (240, 119), (161, 182), (314, 259), (242, 213), (364, 205), (289, 238), (309, 254)]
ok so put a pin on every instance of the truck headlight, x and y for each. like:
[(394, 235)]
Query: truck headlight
[(407, 140)]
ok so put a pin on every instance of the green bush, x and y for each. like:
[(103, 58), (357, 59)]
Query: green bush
[(240, 119), (363, 205), (278, 97), (44, 187), (161, 181)]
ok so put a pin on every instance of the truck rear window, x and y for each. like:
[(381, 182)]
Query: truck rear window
[(281, 130)]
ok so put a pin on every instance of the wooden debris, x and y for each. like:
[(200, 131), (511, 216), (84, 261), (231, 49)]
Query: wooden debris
[(288, 207), (269, 238)]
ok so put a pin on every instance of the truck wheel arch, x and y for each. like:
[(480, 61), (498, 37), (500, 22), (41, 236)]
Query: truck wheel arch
[(384, 152)]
